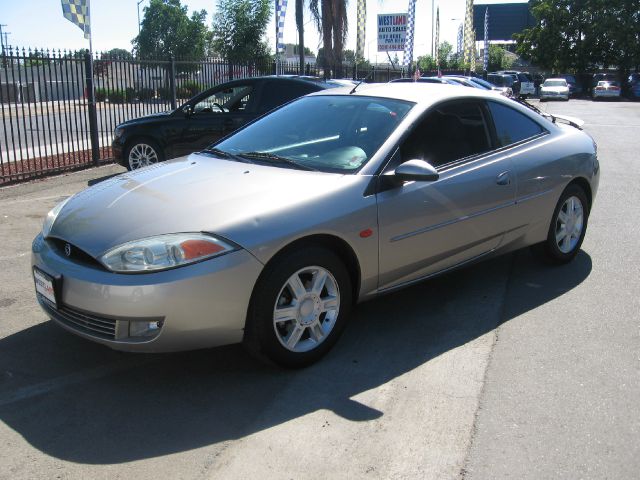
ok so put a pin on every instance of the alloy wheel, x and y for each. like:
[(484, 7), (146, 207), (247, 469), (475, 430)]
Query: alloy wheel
[(569, 224), (306, 309), (142, 155)]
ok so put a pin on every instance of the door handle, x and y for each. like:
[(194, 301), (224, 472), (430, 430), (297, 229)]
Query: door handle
[(504, 178)]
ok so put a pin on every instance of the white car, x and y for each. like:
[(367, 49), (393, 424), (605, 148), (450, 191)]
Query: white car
[(554, 88), (606, 89)]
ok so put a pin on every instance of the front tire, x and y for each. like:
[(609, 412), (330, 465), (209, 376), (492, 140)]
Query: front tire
[(298, 308), (567, 229), (141, 153)]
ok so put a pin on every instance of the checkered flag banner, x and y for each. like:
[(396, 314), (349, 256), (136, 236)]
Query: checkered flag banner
[(469, 39), (408, 44), (485, 65), (77, 12), (459, 39), (437, 40), (361, 27), (472, 67), (281, 12)]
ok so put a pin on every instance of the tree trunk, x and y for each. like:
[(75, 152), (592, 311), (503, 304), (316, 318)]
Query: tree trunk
[(300, 25), (327, 28)]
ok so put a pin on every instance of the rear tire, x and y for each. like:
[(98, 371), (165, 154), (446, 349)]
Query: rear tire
[(299, 308), (567, 229)]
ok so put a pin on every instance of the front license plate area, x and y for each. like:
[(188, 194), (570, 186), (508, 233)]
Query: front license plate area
[(45, 286)]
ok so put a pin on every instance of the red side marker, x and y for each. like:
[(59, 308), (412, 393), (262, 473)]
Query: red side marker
[(366, 233)]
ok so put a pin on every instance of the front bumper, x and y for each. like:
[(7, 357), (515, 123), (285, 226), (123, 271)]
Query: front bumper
[(553, 96), (195, 306), (117, 149)]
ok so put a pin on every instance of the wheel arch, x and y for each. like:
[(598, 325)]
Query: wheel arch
[(333, 243), (584, 184)]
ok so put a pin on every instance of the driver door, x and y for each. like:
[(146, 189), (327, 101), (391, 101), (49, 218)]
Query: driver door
[(427, 227), (222, 111)]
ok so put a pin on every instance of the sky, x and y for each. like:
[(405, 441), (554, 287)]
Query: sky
[(114, 23)]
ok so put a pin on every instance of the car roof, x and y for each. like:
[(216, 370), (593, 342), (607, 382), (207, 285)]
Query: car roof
[(424, 93)]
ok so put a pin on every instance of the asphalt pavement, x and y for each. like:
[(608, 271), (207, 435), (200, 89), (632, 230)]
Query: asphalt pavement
[(506, 369)]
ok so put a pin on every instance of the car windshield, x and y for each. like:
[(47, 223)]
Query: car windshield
[(327, 133), (554, 83), (501, 81)]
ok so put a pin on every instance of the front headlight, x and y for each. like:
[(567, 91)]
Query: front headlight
[(163, 252), (118, 132), (51, 217)]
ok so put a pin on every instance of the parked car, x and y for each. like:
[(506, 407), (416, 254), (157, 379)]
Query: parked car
[(523, 85), (634, 85), (606, 89), (502, 81), (575, 88), (269, 236), (483, 84), (421, 80), (205, 118), (599, 77), (554, 89)]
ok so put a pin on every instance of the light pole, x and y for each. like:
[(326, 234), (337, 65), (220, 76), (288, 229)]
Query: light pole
[(139, 2)]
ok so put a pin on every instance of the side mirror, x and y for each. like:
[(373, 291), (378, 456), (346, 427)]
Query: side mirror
[(187, 110), (416, 171)]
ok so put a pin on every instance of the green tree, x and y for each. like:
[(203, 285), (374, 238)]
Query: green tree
[(167, 30), (330, 17), (576, 35), (239, 28), (426, 63)]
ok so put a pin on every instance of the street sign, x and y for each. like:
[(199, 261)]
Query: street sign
[(392, 32)]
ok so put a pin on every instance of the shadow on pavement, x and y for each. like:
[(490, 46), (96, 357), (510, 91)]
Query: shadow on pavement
[(179, 402)]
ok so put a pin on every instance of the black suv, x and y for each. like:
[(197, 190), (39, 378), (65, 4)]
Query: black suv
[(206, 118)]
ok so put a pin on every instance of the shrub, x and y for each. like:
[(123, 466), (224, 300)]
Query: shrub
[(117, 96), (130, 94), (101, 94), (145, 94)]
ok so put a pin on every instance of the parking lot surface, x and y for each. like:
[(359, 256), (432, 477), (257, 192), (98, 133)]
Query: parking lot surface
[(506, 369)]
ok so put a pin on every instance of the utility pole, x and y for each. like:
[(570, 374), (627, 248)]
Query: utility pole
[(139, 2), (433, 28), (4, 60)]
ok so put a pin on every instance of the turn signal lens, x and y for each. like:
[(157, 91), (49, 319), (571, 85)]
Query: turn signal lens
[(164, 251)]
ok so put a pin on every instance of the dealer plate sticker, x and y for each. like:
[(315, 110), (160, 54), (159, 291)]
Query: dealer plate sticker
[(44, 286)]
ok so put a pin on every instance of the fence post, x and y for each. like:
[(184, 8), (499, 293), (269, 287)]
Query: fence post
[(93, 114), (172, 83)]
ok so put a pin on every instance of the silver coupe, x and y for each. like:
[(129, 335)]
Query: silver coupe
[(271, 235)]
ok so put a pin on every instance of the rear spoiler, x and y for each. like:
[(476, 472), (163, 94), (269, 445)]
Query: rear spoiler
[(573, 121)]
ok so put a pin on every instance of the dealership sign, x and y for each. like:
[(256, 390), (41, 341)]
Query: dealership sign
[(392, 32)]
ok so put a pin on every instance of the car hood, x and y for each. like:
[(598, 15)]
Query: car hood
[(192, 194), (146, 118)]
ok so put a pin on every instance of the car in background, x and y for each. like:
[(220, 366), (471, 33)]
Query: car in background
[(482, 84), (502, 81), (554, 89), (269, 236), (599, 77), (207, 117), (634, 85), (606, 89), (523, 83), (575, 88), (440, 80)]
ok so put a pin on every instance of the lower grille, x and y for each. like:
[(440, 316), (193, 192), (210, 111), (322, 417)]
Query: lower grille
[(87, 323)]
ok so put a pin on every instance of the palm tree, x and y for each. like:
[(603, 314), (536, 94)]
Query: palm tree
[(331, 20), (300, 26)]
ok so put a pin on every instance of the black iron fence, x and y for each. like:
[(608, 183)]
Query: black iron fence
[(51, 123)]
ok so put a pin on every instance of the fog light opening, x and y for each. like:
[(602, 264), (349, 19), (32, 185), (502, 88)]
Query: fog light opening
[(145, 329)]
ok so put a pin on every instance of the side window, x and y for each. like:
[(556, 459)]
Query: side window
[(448, 133), (233, 99), (275, 94), (511, 125)]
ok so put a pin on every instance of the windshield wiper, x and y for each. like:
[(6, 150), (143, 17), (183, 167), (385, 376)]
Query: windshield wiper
[(273, 158), (221, 153)]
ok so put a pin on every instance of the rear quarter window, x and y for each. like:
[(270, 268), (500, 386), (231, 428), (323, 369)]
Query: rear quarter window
[(512, 126)]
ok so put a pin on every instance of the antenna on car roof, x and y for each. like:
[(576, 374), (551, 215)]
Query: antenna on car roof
[(354, 88)]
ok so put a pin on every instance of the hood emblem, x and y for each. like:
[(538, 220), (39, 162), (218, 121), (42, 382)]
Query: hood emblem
[(67, 250)]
